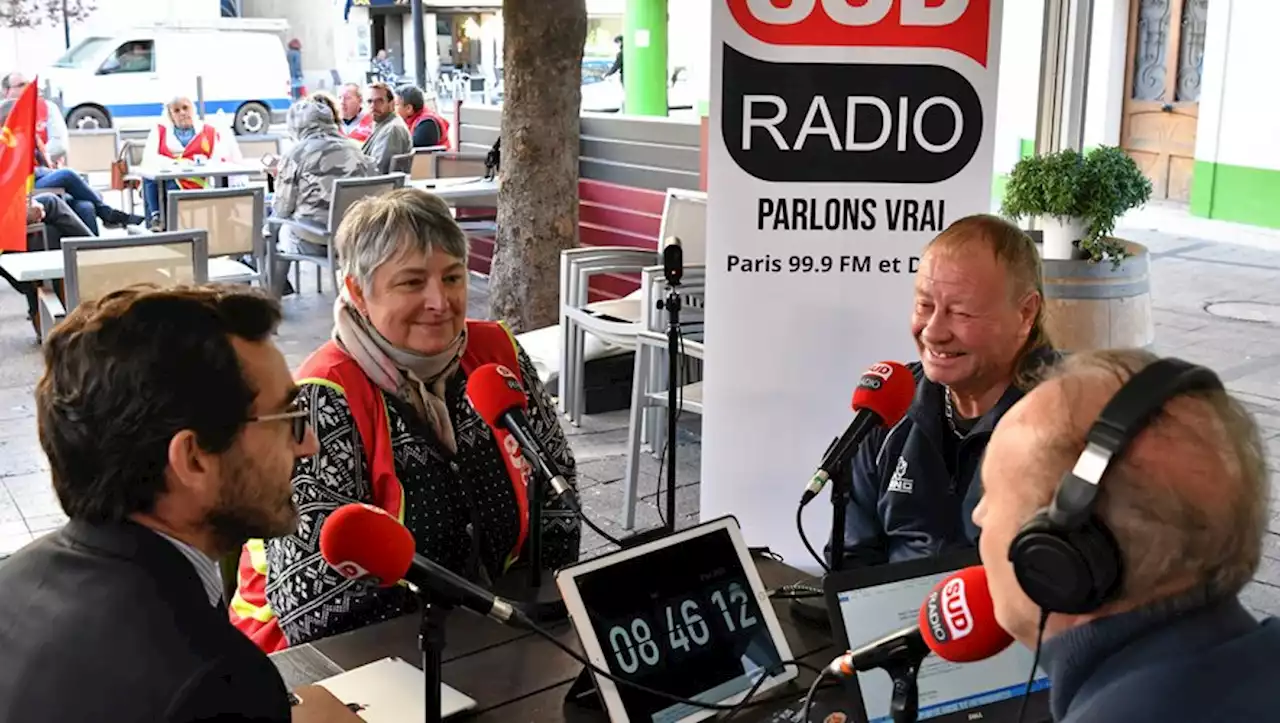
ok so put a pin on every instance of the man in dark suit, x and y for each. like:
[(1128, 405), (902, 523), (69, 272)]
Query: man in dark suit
[(170, 423)]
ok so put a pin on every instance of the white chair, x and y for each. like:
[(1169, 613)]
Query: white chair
[(616, 322), (651, 352), (346, 191), (233, 219)]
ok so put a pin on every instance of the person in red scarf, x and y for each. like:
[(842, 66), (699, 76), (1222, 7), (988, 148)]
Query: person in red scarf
[(427, 127)]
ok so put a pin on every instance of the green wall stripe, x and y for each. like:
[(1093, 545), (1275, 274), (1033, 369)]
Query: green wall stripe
[(1236, 193)]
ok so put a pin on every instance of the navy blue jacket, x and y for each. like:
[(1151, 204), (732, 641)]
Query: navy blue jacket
[(1162, 663), (903, 503)]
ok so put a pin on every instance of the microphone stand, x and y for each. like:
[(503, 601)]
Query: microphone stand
[(672, 271), (536, 497), (905, 704), (431, 643), (839, 512)]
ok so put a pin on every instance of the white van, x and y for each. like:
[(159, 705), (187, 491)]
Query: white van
[(124, 79)]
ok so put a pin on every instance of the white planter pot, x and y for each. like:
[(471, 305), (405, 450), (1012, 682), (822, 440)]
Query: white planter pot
[(1060, 235)]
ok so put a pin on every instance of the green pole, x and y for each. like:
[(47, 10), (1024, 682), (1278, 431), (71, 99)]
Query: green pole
[(644, 57)]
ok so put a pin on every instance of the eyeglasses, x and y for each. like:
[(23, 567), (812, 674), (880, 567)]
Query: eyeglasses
[(296, 414)]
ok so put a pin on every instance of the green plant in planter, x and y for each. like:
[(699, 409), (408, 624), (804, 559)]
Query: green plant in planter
[(1096, 188)]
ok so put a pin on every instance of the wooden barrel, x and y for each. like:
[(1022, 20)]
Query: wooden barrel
[(1096, 306)]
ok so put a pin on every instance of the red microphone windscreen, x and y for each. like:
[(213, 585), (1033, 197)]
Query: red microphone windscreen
[(360, 540), (887, 389), (958, 619), (494, 390)]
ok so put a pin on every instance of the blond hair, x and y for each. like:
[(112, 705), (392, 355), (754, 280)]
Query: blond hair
[(1017, 253)]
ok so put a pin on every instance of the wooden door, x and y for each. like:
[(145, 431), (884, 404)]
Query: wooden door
[(1162, 92)]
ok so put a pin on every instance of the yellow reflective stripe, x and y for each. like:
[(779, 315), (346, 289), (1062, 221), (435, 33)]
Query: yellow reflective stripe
[(241, 607), (514, 346), (257, 555), (324, 383)]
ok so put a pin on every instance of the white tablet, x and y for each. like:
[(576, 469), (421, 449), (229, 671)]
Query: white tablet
[(685, 615)]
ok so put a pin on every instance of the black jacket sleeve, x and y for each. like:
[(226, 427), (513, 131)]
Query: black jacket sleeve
[(231, 691)]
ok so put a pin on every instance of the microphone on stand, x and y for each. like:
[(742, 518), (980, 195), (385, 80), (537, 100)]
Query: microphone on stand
[(495, 393), (881, 399), (957, 622), (673, 272), (672, 260), (364, 541)]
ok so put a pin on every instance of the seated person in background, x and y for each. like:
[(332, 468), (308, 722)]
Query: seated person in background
[(393, 380), (83, 200), (183, 138), (356, 124), (390, 136), (427, 127), (51, 128), (978, 323), (1186, 507), (305, 175), (59, 222), (170, 423)]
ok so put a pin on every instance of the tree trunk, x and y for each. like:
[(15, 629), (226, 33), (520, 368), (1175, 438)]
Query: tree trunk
[(538, 202)]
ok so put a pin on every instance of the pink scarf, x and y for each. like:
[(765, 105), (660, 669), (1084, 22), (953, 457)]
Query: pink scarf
[(418, 379)]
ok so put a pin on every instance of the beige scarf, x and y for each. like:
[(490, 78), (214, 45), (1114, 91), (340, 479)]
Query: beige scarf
[(418, 379)]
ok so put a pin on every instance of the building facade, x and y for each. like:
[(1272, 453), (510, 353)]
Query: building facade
[(1170, 81)]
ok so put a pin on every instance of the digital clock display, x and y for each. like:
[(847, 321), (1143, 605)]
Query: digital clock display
[(681, 619)]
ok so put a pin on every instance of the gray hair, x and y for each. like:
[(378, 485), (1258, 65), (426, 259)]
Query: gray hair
[(1189, 497), (376, 229)]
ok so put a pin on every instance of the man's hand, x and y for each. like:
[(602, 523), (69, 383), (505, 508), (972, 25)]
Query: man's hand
[(35, 212), (320, 706)]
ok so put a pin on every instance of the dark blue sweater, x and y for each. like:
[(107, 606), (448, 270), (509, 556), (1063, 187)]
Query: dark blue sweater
[(1174, 661), (913, 487)]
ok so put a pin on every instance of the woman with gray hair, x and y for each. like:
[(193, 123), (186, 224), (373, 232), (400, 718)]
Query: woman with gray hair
[(387, 399)]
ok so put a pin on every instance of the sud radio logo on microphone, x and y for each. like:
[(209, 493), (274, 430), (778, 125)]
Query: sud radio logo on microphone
[(855, 122), (875, 376), (351, 570), (948, 612)]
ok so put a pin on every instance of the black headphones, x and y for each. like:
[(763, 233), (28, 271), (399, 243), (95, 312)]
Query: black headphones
[(1065, 558)]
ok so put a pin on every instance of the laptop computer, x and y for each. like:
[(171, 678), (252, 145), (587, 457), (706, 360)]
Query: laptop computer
[(867, 603)]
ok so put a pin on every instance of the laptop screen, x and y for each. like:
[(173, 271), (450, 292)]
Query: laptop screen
[(948, 691)]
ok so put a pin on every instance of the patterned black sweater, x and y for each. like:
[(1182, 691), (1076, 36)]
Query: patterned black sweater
[(460, 507)]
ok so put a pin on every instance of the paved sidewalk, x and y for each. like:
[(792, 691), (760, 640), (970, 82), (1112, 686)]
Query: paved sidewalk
[(1216, 304)]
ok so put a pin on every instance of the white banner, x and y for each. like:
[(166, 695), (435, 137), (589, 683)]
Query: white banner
[(844, 135)]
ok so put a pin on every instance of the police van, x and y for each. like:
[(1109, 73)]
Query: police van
[(123, 79)]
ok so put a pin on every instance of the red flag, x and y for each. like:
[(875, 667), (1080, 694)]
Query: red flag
[(17, 165)]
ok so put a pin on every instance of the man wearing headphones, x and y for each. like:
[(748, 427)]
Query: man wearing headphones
[(1124, 508)]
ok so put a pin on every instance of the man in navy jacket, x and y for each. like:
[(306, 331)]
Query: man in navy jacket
[(1186, 503), (978, 323)]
